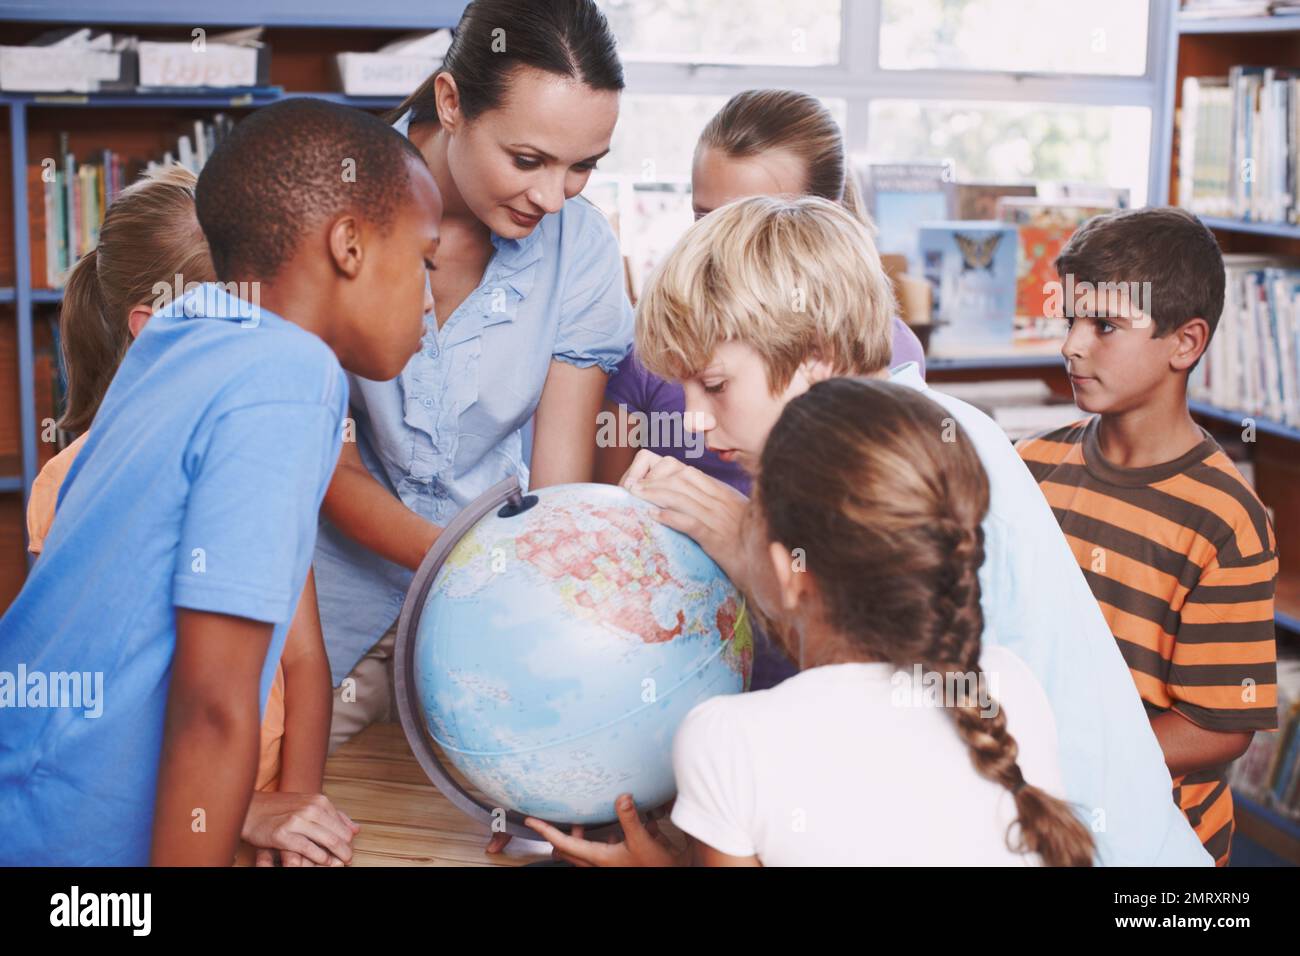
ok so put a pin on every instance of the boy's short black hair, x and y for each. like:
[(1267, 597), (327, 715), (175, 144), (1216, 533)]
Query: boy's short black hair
[(1166, 246), (288, 167)]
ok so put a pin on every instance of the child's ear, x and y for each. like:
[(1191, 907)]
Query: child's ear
[(1190, 341), (817, 369), (790, 582), (345, 245), (137, 318)]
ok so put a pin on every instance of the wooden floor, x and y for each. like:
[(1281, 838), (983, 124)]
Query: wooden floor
[(404, 819)]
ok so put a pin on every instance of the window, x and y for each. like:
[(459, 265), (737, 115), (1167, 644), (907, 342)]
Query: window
[(1050, 36), (1018, 142), (753, 32), (1074, 93)]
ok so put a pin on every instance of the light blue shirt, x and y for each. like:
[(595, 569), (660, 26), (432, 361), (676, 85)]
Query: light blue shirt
[(198, 487), (1037, 603), (449, 427)]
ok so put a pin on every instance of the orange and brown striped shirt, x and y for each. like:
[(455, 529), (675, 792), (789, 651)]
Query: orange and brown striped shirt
[(1182, 559)]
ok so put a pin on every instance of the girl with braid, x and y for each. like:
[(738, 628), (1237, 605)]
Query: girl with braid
[(902, 740)]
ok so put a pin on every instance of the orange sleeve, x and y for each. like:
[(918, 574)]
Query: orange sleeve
[(45, 494)]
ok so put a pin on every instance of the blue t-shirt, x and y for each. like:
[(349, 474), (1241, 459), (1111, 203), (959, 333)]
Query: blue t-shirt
[(199, 488)]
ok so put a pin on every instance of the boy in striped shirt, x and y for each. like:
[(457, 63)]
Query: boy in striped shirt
[(1177, 548)]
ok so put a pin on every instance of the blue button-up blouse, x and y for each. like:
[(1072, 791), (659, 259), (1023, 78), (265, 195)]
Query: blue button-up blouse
[(449, 427)]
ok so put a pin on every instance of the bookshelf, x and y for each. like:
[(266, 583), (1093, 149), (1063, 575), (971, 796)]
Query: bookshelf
[(302, 46), (1209, 47)]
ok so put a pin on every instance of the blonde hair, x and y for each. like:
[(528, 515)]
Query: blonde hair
[(756, 121), (794, 279), (150, 235)]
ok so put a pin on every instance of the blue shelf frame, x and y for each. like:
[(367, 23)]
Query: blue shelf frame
[(327, 14), (1280, 229), (1288, 826), (1235, 417), (1212, 25), (939, 363)]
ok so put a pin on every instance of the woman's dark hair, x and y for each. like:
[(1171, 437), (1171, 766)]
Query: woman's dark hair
[(565, 37), (885, 495)]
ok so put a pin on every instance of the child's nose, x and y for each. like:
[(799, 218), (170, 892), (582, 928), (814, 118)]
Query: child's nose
[(698, 421)]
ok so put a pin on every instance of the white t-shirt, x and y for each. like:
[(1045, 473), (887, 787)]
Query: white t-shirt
[(848, 764)]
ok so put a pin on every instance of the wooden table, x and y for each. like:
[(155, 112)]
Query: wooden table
[(404, 819)]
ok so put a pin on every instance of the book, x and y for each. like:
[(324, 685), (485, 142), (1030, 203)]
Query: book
[(1044, 228), (980, 200), (1252, 364), (901, 196), (971, 269), (1205, 146)]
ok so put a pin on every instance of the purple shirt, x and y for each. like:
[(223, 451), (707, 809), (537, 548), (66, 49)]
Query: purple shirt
[(633, 386)]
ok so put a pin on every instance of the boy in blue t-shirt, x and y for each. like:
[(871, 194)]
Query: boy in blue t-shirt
[(136, 660)]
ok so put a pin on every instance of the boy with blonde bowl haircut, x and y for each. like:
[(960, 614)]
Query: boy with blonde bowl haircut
[(1172, 540), (766, 297)]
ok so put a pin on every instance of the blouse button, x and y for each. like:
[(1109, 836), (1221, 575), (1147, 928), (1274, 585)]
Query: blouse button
[(428, 403)]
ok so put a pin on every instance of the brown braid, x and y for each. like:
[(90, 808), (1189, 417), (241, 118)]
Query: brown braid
[(891, 513)]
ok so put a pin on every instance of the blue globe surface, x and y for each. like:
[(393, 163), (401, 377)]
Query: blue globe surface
[(559, 648)]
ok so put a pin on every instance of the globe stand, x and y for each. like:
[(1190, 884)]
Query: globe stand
[(507, 496)]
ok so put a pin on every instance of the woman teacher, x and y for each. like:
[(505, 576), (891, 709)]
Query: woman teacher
[(530, 317)]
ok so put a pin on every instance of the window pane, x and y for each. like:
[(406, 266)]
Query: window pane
[(726, 31), (1018, 142), (1025, 36)]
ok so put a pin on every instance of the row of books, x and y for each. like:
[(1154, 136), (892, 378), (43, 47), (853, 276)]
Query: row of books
[(1238, 138), (1269, 771), (1253, 362), (67, 197)]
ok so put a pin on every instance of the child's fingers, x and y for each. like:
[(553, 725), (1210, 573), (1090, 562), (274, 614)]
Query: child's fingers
[(640, 842), (263, 857), (572, 848), (297, 850), (331, 830), (640, 467), (329, 837)]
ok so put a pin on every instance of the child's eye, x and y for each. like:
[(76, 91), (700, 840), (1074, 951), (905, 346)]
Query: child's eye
[(586, 167), (527, 162), (1104, 327), (715, 389)]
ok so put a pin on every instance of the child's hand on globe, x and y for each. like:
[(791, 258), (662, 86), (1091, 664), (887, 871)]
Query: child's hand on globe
[(707, 510), (642, 845)]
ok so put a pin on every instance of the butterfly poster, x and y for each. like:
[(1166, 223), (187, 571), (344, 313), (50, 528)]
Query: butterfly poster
[(971, 268)]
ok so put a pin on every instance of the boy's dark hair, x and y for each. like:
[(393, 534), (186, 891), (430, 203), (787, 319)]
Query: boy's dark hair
[(290, 166), (1166, 246)]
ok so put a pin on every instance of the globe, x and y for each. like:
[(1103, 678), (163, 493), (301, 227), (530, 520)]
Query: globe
[(562, 641)]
